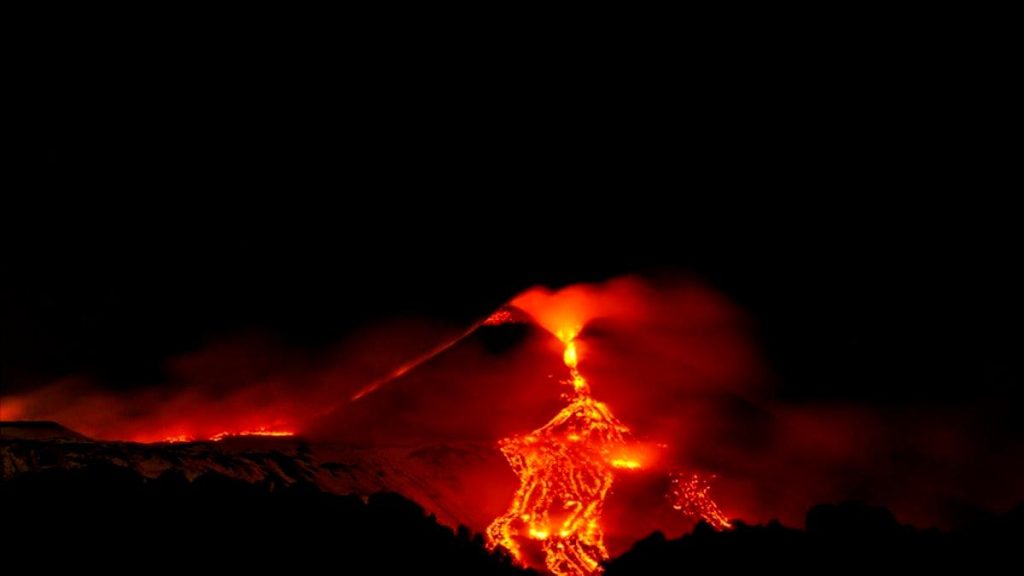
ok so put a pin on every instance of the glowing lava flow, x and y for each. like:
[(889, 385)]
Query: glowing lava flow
[(499, 316), (565, 469), (258, 432), (179, 438), (691, 494)]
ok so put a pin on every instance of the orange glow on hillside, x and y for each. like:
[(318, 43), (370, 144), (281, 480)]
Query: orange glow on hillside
[(626, 463)]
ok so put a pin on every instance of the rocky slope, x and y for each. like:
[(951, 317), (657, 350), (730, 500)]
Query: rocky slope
[(435, 476)]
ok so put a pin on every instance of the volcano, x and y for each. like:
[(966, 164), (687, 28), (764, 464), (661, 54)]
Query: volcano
[(419, 435), (450, 429), (431, 434), (568, 463), (564, 427)]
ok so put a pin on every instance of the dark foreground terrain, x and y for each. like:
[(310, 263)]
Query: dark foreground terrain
[(115, 521), (94, 514), (838, 538)]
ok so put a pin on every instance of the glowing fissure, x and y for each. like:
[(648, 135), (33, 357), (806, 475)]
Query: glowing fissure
[(261, 432), (177, 438)]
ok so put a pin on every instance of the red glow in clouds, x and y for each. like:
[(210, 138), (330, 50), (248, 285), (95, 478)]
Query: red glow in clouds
[(242, 386)]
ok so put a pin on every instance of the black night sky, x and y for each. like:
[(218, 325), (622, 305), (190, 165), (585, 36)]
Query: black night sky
[(195, 196), (857, 215), (855, 209)]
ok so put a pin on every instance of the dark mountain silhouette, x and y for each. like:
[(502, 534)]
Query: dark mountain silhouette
[(436, 476), (111, 519), (266, 505), (838, 538)]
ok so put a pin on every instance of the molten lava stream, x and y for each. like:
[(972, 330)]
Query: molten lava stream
[(262, 431), (565, 469), (691, 495)]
